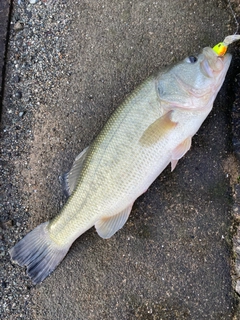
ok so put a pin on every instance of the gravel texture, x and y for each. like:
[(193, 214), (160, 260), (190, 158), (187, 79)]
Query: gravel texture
[(70, 63)]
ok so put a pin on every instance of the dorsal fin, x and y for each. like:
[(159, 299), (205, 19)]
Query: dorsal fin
[(70, 178)]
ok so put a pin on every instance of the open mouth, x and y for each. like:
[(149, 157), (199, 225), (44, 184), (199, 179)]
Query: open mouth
[(211, 63), (206, 69)]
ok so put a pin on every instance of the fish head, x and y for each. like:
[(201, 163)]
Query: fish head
[(194, 82)]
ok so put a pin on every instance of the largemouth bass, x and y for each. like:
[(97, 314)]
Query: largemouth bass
[(153, 127)]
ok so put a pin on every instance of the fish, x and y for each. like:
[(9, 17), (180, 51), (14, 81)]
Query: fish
[(152, 128)]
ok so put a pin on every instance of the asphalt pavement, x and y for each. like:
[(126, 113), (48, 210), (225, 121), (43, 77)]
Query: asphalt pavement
[(69, 64)]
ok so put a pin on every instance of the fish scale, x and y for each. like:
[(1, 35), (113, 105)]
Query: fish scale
[(117, 138), (153, 127), (108, 193)]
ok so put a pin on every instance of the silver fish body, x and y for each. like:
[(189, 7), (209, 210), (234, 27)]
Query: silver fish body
[(151, 128)]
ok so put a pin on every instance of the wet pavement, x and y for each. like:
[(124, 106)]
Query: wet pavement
[(69, 65)]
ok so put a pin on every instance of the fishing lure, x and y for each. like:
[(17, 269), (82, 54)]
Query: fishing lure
[(221, 47)]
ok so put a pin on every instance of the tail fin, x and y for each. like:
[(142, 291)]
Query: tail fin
[(39, 253)]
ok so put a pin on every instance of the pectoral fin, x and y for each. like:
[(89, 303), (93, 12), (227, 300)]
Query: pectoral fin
[(157, 130), (180, 151), (107, 226), (70, 178)]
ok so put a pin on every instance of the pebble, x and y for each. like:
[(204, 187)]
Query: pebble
[(18, 95), (18, 26), (16, 79), (9, 223)]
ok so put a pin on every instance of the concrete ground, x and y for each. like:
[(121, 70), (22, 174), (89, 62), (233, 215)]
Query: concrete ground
[(69, 65)]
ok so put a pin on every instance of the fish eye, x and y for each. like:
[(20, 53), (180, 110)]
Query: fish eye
[(192, 59)]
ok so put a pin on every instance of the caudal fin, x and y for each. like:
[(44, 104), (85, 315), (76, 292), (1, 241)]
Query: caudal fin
[(38, 252)]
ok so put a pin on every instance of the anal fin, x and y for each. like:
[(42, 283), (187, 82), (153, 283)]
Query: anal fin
[(107, 226), (180, 151)]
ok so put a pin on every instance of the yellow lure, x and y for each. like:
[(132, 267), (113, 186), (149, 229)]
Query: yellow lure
[(221, 47)]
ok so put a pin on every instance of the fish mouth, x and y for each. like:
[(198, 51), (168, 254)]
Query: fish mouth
[(213, 65)]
